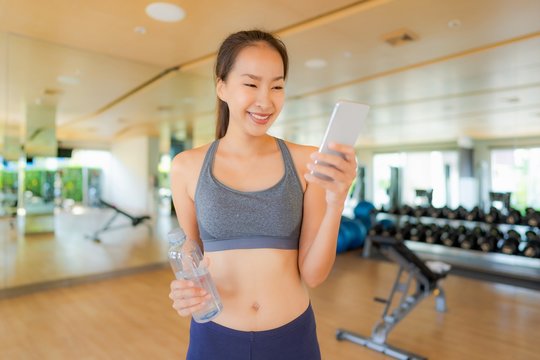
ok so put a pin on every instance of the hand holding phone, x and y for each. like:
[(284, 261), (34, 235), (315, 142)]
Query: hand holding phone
[(346, 123)]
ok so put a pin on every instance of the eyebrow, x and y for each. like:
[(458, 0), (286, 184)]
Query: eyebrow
[(255, 77)]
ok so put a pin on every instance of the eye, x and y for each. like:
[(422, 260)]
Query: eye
[(278, 87), (250, 85)]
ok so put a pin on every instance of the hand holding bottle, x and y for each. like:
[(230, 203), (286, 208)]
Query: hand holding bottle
[(187, 297), (193, 292)]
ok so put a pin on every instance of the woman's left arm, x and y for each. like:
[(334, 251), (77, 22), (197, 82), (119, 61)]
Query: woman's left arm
[(323, 206)]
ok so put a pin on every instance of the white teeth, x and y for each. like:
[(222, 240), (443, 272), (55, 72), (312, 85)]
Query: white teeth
[(258, 117)]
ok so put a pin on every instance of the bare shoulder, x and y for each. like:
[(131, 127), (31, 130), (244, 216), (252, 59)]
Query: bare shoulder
[(301, 157), (186, 167), (300, 152), (188, 161)]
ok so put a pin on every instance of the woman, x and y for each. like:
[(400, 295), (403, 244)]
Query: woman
[(268, 226)]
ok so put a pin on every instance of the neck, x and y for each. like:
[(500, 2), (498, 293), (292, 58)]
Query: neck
[(242, 143)]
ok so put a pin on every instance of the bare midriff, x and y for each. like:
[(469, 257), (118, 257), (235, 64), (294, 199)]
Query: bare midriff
[(261, 289)]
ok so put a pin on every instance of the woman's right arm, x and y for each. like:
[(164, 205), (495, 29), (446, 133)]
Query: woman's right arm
[(185, 296)]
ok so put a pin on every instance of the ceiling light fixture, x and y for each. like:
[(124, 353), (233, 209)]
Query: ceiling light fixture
[(68, 80), (316, 63), (141, 30), (454, 23), (165, 12)]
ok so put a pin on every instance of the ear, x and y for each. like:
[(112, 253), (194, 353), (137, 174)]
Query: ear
[(220, 90)]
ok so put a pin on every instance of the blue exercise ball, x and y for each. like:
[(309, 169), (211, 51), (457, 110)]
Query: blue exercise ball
[(363, 212), (345, 235), (360, 232)]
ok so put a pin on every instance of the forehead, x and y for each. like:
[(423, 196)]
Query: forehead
[(259, 59)]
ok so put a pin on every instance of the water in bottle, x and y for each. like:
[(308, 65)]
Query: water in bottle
[(185, 258)]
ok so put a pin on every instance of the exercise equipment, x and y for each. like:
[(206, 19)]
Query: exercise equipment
[(433, 234), (494, 216), (364, 212), (418, 233), (435, 212), (427, 278), (532, 249), (476, 214), (510, 245), (449, 236), (360, 232), (344, 235), (404, 231), (135, 221), (513, 217), (488, 243), (532, 217)]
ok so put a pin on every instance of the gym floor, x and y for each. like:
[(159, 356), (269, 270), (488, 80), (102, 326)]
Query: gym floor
[(130, 316)]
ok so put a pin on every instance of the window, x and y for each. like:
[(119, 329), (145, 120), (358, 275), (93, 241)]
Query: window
[(517, 171)]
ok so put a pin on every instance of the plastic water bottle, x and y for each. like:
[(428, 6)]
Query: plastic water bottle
[(185, 258)]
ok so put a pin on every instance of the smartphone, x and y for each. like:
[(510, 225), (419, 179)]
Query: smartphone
[(348, 119)]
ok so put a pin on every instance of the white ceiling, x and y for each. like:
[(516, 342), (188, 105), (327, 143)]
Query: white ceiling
[(481, 79)]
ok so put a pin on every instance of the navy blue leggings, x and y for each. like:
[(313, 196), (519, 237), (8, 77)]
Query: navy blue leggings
[(296, 340)]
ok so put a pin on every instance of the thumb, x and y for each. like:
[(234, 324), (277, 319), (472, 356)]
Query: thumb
[(206, 261)]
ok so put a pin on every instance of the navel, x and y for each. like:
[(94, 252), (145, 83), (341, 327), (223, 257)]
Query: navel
[(256, 306)]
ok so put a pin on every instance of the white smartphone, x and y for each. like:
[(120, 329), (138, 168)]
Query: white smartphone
[(347, 121)]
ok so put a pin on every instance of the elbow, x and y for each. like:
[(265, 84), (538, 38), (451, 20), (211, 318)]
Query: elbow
[(313, 281)]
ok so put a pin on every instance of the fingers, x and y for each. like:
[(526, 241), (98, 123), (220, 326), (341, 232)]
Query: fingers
[(187, 298), (338, 167), (347, 158)]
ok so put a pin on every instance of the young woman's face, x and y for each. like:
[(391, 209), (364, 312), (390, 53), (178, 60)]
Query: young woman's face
[(254, 89)]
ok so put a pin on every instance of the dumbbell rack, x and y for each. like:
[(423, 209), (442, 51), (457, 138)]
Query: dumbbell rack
[(512, 269)]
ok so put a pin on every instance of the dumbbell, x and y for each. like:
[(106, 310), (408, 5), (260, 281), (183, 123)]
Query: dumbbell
[(532, 217), (420, 211), (460, 213), (466, 239), (446, 212), (513, 217), (434, 212), (406, 210), (476, 214), (418, 233), (433, 234), (389, 231), (404, 231), (532, 249), (449, 237), (494, 216), (489, 242), (376, 230), (510, 245)]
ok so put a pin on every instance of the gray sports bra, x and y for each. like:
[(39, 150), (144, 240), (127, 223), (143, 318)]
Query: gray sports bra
[(231, 219)]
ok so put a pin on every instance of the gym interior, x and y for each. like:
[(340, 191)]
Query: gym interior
[(439, 244)]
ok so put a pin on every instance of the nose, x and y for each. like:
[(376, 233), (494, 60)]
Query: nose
[(264, 100)]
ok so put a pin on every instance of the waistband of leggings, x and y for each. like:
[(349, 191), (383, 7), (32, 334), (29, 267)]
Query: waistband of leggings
[(282, 330)]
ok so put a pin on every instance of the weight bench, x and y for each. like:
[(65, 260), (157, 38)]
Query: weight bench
[(427, 279), (135, 220)]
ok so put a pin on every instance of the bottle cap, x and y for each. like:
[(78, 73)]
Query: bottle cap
[(176, 236)]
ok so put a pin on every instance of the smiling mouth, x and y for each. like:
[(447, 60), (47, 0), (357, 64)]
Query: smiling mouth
[(260, 118)]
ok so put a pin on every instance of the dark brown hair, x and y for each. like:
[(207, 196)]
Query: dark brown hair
[(226, 57)]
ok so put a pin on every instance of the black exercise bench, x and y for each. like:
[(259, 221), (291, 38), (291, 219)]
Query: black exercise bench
[(135, 220), (428, 281)]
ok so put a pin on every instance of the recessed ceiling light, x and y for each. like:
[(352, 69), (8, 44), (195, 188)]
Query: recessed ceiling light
[(512, 99), (140, 30), (454, 23), (315, 63), (68, 80), (166, 12)]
